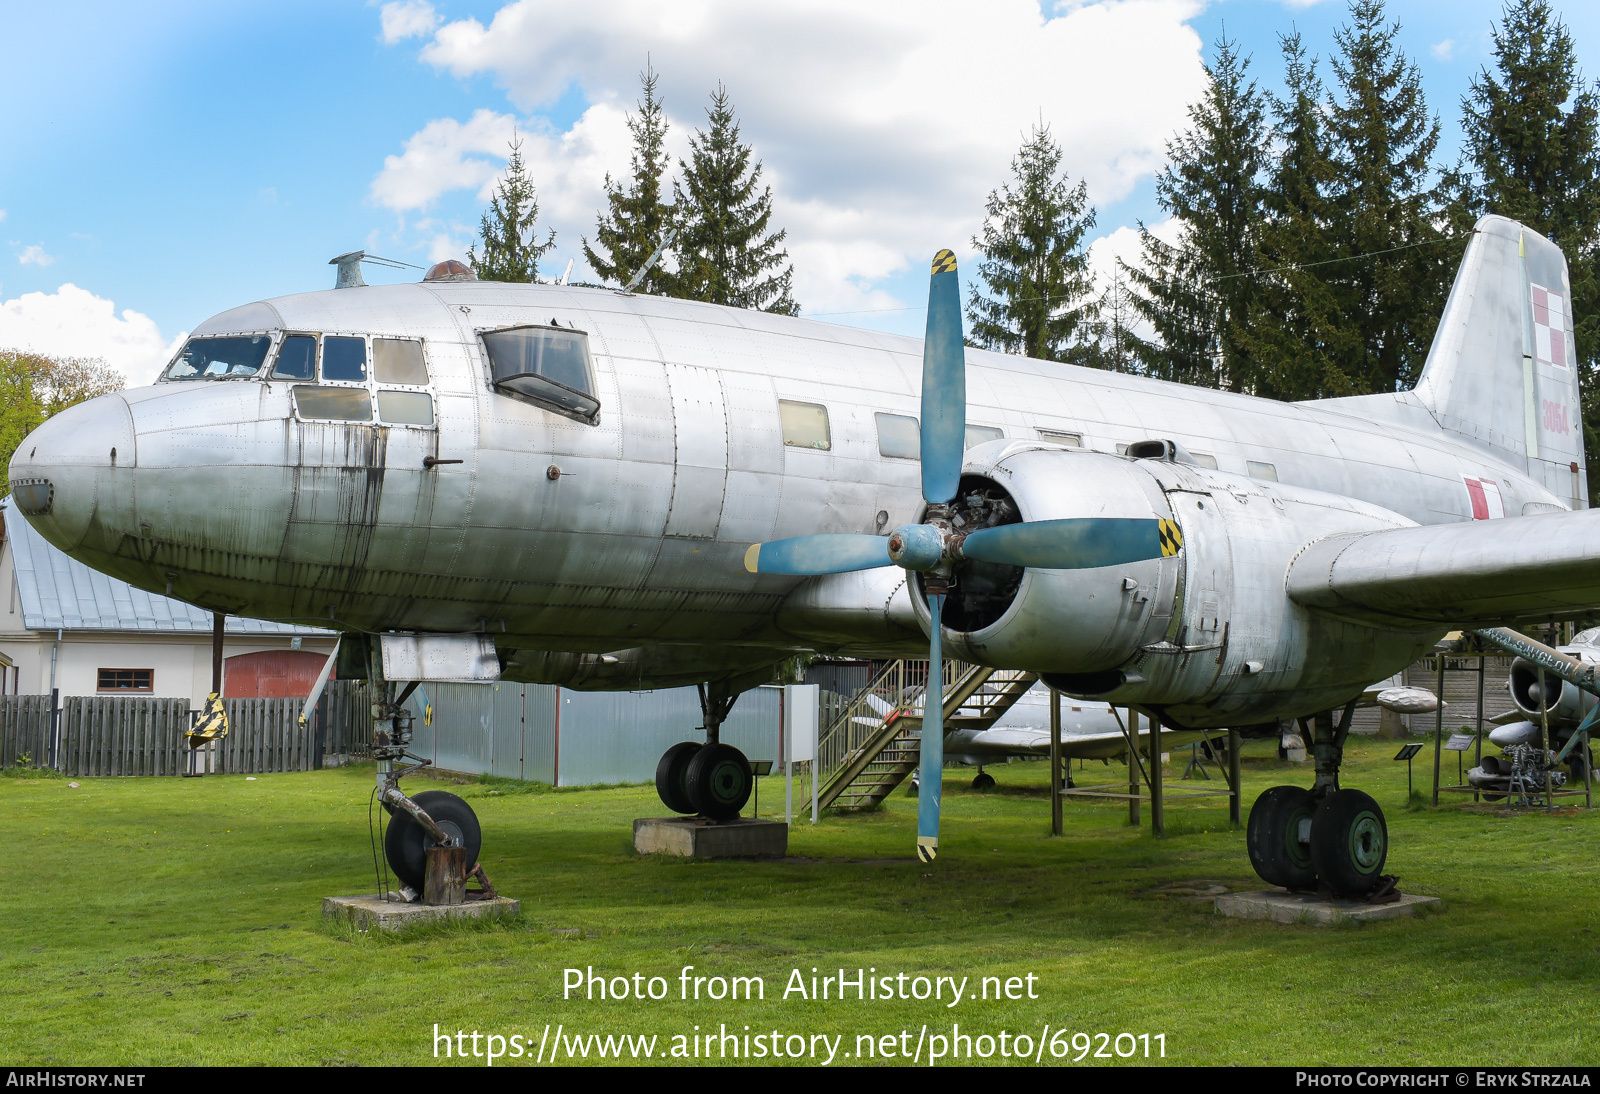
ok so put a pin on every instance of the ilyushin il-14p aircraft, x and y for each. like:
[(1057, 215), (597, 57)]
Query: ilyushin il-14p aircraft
[(609, 490)]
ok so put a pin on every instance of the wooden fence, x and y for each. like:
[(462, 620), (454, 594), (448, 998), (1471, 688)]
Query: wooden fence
[(125, 735)]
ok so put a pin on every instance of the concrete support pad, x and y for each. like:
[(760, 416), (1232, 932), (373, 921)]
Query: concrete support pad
[(394, 914), (1282, 906), (697, 837)]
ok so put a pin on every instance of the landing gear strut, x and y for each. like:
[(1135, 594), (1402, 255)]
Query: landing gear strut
[(1300, 837), (712, 779)]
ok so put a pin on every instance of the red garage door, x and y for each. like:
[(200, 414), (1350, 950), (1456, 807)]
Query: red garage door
[(272, 674)]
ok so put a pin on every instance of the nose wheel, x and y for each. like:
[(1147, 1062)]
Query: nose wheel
[(406, 843)]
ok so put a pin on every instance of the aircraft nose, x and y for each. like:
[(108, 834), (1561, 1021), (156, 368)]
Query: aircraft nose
[(60, 470)]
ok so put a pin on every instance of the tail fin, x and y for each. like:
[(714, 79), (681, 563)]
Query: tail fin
[(1502, 370)]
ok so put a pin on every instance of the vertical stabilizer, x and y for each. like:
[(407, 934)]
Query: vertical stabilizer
[(1503, 369)]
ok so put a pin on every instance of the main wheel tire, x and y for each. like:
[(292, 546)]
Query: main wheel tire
[(406, 843), (1277, 851), (719, 781), (982, 781), (1349, 842), (671, 774)]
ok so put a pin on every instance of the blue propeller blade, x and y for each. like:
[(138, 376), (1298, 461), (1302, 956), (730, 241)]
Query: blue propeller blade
[(826, 554), (1079, 543), (944, 385), (930, 763)]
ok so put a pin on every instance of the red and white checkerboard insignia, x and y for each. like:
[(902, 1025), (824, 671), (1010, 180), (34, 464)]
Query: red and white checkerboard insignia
[(1549, 326), (1484, 496)]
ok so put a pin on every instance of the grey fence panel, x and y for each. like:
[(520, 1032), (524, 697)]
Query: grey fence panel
[(121, 735), (463, 726), (539, 732), (509, 725), (349, 719), (618, 737), (265, 736), (24, 729)]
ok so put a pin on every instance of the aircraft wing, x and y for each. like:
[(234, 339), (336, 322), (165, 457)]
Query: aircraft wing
[(1481, 572), (1001, 742)]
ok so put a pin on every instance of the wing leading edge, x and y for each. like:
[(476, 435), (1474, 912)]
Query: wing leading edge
[(1475, 573)]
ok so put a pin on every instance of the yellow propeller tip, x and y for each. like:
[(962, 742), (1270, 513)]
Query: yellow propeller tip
[(752, 558), (944, 261)]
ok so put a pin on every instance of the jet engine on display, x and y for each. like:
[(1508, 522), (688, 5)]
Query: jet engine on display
[(1536, 740)]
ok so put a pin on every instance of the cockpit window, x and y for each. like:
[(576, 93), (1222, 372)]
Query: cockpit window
[(546, 364), (297, 358), (399, 361), (344, 359), (227, 358)]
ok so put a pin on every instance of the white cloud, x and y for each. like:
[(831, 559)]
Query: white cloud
[(1445, 50), (72, 322), (403, 19), (882, 127), (34, 255), (2, 214)]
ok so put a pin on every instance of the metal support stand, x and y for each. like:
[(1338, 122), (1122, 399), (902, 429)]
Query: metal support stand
[(1234, 801), (1133, 767), (1438, 729), (1056, 774), (1477, 746), (1158, 817)]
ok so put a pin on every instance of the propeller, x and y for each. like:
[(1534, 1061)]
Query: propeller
[(934, 547)]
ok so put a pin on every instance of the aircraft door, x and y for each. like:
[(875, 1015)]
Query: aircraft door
[(700, 471)]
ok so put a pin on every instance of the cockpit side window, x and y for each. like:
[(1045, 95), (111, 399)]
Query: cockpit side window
[(399, 361), (344, 359), (547, 365), (229, 357), (297, 358)]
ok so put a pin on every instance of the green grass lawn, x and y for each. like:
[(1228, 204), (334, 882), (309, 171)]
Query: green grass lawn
[(172, 921)]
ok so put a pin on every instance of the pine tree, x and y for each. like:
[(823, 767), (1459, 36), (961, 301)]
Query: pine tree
[(1385, 207), (1198, 294), (725, 253), (1115, 343), (628, 232), (1039, 295), (509, 227), (1297, 332), (1531, 134)]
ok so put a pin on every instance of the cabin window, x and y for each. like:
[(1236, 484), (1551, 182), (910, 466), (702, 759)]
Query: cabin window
[(805, 425), (978, 434), (398, 361), (1056, 436), (405, 407), (125, 680), (233, 357), (297, 358), (338, 404), (899, 436), (344, 359), (548, 365), (1261, 470), (1204, 459)]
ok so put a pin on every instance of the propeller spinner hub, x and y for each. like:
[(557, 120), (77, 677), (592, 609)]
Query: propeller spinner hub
[(916, 547)]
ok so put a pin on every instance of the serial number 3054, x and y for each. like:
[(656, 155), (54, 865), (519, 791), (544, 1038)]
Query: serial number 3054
[(1109, 1045)]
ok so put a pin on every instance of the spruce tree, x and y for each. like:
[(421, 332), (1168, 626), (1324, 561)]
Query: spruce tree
[(1531, 135), (1297, 333), (1384, 210), (509, 227), (1038, 296), (726, 255), (1198, 294), (631, 227)]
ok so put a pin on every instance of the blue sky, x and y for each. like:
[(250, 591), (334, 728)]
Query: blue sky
[(173, 160)]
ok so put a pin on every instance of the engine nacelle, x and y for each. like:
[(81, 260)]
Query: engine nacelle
[(1565, 702), (1206, 634)]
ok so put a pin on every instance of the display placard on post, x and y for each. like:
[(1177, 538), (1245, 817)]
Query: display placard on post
[(801, 706)]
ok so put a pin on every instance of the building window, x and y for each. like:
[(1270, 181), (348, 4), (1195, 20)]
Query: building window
[(126, 680)]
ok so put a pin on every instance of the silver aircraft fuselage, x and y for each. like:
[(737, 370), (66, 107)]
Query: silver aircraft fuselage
[(559, 535)]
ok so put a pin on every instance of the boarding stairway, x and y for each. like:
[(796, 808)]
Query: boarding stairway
[(874, 742)]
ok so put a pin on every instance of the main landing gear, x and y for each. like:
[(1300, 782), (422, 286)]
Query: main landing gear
[(1299, 838), (712, 779)]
